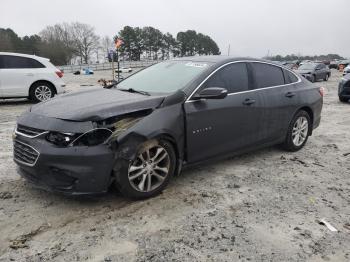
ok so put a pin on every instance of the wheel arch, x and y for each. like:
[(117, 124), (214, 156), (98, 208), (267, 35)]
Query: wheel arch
[(127, 147), (42, 81), (310, 112)]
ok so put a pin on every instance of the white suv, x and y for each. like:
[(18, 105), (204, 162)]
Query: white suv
[(29, 76)]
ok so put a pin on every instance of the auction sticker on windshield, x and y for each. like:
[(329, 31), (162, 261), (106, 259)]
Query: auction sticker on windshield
[(196, 64)]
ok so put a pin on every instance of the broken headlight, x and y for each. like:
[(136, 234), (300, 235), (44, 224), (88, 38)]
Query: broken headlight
[(60, 139), (93, 137)]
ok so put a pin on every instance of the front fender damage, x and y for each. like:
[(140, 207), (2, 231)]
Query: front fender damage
[(163, 123)]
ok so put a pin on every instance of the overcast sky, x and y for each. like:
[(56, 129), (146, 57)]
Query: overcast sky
[(252, 27)]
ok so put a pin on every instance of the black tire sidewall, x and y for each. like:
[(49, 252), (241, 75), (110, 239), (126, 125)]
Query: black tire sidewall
[(288, 144), (35, 86), (122, 181), (343, 100)]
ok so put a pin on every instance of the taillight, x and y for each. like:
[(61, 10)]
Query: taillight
[(59, 73), (321, 90)]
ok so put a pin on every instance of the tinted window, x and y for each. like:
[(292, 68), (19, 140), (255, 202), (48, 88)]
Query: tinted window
[(267, 75), (289, 77), (1, 62), (12, 62), (233, 77)]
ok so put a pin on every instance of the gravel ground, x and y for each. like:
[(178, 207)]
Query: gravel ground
[(261, 206)]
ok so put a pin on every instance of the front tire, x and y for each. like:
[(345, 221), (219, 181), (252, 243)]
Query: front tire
[(326, 78), (298, 132), (41, 91), (148, 173)]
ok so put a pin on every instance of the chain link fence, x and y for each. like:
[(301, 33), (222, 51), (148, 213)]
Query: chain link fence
[(107, 66)]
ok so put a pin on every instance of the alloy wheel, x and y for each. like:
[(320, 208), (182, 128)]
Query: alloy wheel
[(150, 168), (43, 93), (300, 131)]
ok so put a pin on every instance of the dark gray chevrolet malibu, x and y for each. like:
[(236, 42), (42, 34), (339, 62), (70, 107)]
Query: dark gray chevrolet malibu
[(141, 132)]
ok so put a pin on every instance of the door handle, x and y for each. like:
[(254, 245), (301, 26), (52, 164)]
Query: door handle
[(290, 94), (30, 74), (248, 102)]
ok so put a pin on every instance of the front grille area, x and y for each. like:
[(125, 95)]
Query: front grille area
[(29, 131), (24, 153)]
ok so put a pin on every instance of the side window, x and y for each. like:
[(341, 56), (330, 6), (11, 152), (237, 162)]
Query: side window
[(233, 77), (267, 75), (319, 66), (17, 62), (289, 77)]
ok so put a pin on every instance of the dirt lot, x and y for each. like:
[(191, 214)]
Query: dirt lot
[(262, 206)]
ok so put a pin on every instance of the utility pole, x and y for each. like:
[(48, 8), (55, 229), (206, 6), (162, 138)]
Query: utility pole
[(113, 72), (118, 42)]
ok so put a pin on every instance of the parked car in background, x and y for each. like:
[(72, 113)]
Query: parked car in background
[(344, 89), (343, 63), (291, 65), (29, 76), (124, 70), (333, 64), (138, 135), (305, 62), (346, 70), (314, 71)]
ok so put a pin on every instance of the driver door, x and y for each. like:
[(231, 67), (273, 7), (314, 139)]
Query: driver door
[(219, 126)]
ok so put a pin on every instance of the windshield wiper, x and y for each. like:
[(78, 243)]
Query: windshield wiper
[(131, 90)]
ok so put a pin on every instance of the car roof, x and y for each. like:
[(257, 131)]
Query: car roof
[(219, 59), (24, 55)]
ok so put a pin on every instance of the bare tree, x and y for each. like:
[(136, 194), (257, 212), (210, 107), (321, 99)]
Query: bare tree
[(106, 44), (85, 40), (58, 42)]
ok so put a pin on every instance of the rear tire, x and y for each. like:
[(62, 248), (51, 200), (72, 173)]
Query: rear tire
[(298, 132), (148, 173), (41, 91)]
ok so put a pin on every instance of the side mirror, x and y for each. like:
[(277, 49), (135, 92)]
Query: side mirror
[(211, 93)]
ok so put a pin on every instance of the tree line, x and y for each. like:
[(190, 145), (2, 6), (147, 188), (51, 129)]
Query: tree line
[(294, 57), (68, 43), (154, 44)]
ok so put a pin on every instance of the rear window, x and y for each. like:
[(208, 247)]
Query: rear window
[(1, 62), (18, 62), (267, 75), (290, 77)]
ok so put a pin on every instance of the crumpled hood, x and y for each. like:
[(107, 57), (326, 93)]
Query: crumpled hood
[(95, 104)]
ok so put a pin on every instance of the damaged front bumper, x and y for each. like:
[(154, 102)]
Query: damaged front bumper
[(74, 170), (69, 170)]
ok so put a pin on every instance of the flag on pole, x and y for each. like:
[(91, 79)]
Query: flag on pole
[(118, 43)]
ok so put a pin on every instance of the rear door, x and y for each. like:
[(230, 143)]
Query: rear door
[(18, 74), (218, 126), (280, 96), (320, 71)]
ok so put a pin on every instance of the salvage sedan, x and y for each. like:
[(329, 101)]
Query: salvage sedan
[(140, 133)]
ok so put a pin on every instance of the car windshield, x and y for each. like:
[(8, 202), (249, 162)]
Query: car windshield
[(165, 77), (307, 67)]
